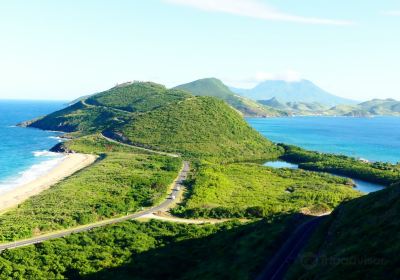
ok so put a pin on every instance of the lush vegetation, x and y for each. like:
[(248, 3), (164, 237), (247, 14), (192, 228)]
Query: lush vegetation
[(253, 191), (168, 120), (81, 118), (119, 183), (218, 143), (360, 240), (151, 250), (378, 172), (214, 87), (137, 97), (200, 127)]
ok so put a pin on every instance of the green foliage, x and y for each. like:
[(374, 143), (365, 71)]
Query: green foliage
[(200, 127), (118, 184), (360, 240), (79, 117), (153, 250), (137, 97), (214, 87), (168, 120), (252, 191), (378, 172)]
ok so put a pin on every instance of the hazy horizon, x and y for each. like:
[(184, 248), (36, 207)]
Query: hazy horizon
[(66, 49)]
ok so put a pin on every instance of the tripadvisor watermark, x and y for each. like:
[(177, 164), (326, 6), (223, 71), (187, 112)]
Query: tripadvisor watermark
[(309, 261)]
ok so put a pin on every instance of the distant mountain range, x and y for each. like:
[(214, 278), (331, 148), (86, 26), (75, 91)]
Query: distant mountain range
[(216, 88), (376, 107), (301, 91)]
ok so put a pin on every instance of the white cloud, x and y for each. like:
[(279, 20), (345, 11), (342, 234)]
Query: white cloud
[(250, 82), (288, 76), (254, 9), (392, 13)]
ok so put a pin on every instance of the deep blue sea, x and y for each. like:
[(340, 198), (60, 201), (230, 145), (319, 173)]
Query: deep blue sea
[(375, 139), (23, 151)]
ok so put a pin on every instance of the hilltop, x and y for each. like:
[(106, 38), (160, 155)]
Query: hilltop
[(298, 91), (216, 88), (148, 114), (198, 127)]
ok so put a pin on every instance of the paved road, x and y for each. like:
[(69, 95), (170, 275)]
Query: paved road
[(176, 189), (287, 254), (140, 148)]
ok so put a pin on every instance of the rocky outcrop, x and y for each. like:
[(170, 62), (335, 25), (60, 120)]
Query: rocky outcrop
[(61, 148)]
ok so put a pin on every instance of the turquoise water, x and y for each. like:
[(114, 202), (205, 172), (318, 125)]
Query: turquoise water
[(23, 151), (376, 139), (281, 164), (360, 185)]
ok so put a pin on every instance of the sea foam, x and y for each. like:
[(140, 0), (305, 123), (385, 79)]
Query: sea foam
[(45, 153), (32, 173)]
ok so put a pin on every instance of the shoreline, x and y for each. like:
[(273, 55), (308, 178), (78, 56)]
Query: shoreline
[(69, 165)]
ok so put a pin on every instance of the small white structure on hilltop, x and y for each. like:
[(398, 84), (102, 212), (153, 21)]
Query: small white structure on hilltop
[(364, 160)]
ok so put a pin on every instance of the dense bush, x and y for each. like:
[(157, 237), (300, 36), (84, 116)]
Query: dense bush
[(201, 127), (118, 184), (153, 250), (378, 172), (253, 191)]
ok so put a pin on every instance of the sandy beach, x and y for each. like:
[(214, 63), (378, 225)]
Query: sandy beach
[(70, 164)]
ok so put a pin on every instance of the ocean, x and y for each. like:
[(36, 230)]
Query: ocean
[(24, 152), (375, 139)]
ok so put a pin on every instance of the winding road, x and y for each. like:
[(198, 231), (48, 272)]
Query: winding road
[(176, 187)]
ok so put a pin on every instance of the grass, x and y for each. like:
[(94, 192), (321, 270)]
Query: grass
[(118, 184), (214, 87), (137, 97), (251, 190), (201, 127)]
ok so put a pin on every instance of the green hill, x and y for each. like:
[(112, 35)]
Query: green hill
[(381, 107), (214, 87), (199, 127), (361, 239), (170, 120), (137, 97)]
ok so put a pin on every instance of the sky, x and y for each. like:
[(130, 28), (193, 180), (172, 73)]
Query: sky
[(65, 49)]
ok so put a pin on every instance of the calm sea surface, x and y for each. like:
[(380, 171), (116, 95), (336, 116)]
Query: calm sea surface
[(23, 155), (375, 139)]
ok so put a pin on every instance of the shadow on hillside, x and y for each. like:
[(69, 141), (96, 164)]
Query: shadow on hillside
[(232, 253)]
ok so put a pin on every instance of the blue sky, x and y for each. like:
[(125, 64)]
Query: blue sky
[(65, 49)]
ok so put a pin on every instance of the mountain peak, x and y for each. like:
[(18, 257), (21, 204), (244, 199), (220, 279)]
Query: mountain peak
[(296, 91)]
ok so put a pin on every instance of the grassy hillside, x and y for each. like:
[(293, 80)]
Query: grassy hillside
[(360, 240), (169, 120), (137, 97), (214, 87), (200, 127), (121, 182), (254, 191), (81, 118)]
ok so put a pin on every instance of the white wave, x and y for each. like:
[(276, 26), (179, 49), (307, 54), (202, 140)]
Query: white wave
[(29, 175), (45, 153), (59, 139)]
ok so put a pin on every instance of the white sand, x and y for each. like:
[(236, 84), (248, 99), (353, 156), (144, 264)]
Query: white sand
[(68, 166)]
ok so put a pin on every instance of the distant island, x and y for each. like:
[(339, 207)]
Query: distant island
[(179, 172), (285, 99)]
